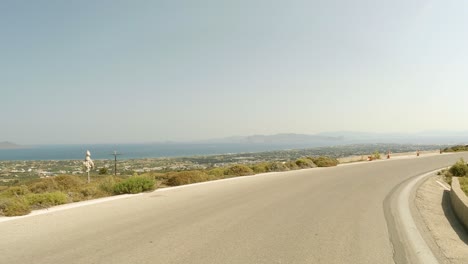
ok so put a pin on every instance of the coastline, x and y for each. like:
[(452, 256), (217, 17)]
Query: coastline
[(14, 170), (166, 151)]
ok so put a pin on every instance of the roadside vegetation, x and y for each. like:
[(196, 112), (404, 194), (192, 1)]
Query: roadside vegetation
[(27, 195), (460, 170), (464, 184), (324, 161), (457, 148), (47, 192), (375, 156)]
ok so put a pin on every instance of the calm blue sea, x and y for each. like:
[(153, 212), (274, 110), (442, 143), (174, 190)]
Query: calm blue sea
[(129, 151)]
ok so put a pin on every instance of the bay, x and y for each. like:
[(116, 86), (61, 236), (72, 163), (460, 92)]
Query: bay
[(132, 151)]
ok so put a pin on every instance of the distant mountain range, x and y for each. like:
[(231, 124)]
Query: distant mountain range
[(9, 145), (279, 139), (325, 139), (426, 137), (345, 138)]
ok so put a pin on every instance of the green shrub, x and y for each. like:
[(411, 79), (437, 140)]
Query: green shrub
[(41, 186), (376, 155), (44, 200), (459, 169), (260, 167), (64, 183), (134, 184), (16, 191), (76, 196), (157, 176), (187, 177), (238, 170), (277, 166), (456, 148), (107, 184), (152, 175), (14, 206), (291, 165), (447, 176), (160, 176), (68, 182), (305, 163), (464, 184), (324, 161), (216, 172), (93, 192)]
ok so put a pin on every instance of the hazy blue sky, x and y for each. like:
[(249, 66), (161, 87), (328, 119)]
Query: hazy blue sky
[(141, 71)]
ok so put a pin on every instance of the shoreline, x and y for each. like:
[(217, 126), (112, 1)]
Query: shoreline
[(18, 169), (338, 151)]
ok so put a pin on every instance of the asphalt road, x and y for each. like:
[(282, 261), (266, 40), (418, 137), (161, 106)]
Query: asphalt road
[(330, 215)]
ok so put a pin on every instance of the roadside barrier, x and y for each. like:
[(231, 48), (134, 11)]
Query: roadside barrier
[(459, 202)]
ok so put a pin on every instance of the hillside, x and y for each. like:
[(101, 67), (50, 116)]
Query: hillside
[(284, 140), (347, 137), (9, 145)]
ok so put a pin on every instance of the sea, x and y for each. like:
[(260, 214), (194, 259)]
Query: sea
[(132, 151)]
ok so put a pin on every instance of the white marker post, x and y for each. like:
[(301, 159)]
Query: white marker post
[(88, 163)]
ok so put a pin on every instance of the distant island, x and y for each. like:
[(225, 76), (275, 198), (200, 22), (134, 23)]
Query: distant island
[(337, 138), (9, 145), (283, 140)]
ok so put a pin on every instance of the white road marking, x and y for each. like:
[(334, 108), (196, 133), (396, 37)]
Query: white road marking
[(443, 185), (416, 241)]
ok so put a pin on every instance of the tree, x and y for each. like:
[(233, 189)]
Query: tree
[(103, 171)]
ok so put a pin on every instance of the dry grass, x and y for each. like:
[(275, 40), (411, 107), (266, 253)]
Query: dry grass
[(47, 192), (464, 184)]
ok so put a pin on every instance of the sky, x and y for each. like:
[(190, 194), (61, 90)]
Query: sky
[(150, 71)]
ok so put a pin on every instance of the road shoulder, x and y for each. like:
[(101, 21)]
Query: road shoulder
[(439, 226)]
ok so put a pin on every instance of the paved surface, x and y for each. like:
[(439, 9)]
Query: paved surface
[(433, 203), (333, 215)]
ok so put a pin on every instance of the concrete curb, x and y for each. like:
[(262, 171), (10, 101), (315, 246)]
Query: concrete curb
[(68, 206), (459, 202), (421, 252)]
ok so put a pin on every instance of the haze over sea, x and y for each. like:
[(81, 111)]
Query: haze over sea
[(128, 151), (254, 143)]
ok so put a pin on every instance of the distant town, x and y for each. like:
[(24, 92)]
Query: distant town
[(13, 171)]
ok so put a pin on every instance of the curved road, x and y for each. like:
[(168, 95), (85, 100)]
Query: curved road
[(322, 215)]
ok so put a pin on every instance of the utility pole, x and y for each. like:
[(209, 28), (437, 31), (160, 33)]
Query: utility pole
[(115, 161)]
